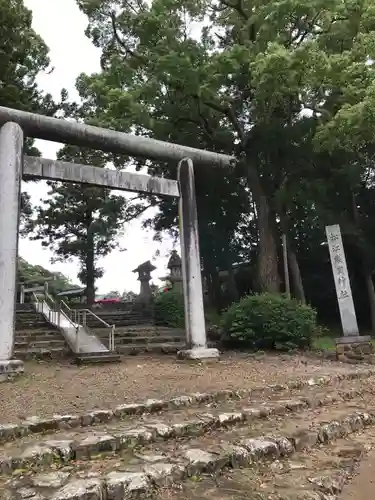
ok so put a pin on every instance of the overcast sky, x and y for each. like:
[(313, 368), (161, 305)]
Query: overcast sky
[(62, 26)]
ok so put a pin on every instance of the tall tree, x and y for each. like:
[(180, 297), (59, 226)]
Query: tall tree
[(82, 222), (251, 67)]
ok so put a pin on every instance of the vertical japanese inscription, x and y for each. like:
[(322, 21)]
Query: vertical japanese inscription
[(342, 282)]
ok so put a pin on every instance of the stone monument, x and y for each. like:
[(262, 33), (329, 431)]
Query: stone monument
[(352, 346)]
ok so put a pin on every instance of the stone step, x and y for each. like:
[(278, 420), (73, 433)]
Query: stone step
[(38, 336), (97, 358), (126, 428), (315, 473), (144, 340), (40, 353), (142, 331), (118, 461), (155, 348), (292, 388), (40, 344)]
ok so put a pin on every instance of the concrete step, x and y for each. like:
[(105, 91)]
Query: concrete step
[(97, 358)]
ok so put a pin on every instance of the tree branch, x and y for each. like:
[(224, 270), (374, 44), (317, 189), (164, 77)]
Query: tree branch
[(238, 6), (120, 41)]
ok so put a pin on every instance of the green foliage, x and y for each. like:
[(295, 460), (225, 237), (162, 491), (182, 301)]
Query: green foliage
[(33, 275), (269, 322), (169, 309), (81, 222)]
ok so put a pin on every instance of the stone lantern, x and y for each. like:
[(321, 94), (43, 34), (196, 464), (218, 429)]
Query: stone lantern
[(175, 268), (144, 276)]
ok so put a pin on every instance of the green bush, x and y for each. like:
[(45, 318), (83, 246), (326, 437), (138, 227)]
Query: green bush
[(169, 309), (268, 322)]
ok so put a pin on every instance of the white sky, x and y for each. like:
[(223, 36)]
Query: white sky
[(62, 26)]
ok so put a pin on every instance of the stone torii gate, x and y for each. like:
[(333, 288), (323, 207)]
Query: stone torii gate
[(14, 166)]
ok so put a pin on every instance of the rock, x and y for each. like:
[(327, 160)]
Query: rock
[(200, 461), (12, 431), (164, 474), (328, 432), (161, 430), (67, 421), (134, 437), (81, 489), (37, 454), (26, 493), (304, 439), (284, 445), (188, 428), (37, 424), (230, 418), (251, 413), (237, 456), (182, 401), (63, 448), (121, 485), (96, 417), (94, 443), (260, 447), (51, 480), (129, 409), (154, 405), (330, 485), (150, 458)]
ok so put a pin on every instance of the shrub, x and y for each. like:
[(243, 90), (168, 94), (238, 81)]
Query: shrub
[(268, 322), (169, 309)]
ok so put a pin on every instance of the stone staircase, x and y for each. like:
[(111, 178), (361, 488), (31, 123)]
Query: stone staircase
[(35, 338), (301, 440), (128, 317), (138, 339)]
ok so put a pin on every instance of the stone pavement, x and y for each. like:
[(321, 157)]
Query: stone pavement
[(299, 440)]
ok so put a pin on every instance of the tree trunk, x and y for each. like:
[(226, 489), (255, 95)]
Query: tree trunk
[(90, 268), (213, 282), (365, 266), (298, 289), (371, 297), (232, 285), (268, 273)]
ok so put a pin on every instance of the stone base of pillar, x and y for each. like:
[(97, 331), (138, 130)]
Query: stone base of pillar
[(355, 349), (199, 354), (10, 368)]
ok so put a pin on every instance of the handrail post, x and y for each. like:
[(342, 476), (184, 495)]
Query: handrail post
[(77, 338)]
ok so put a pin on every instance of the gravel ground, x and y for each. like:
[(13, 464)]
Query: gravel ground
[(50, 388)]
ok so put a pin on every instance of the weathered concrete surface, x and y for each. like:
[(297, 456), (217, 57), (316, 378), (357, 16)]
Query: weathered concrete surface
[(42, 168), (195, 324), (11, 157), (68, 132)]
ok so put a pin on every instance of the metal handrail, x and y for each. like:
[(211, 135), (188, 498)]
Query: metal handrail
[(111, 338), (72, 315)]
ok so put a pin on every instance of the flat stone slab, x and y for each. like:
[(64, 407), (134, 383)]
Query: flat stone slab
[(199, 354), (10, 368), (353, 339)]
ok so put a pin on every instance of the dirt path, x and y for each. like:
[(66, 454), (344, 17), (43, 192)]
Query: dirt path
[(362, 487), (50, 388)]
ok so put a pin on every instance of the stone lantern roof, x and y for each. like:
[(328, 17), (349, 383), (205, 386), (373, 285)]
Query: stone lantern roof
[(146, 267)]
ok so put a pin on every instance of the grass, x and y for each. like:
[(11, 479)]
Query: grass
[(326, 343)]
